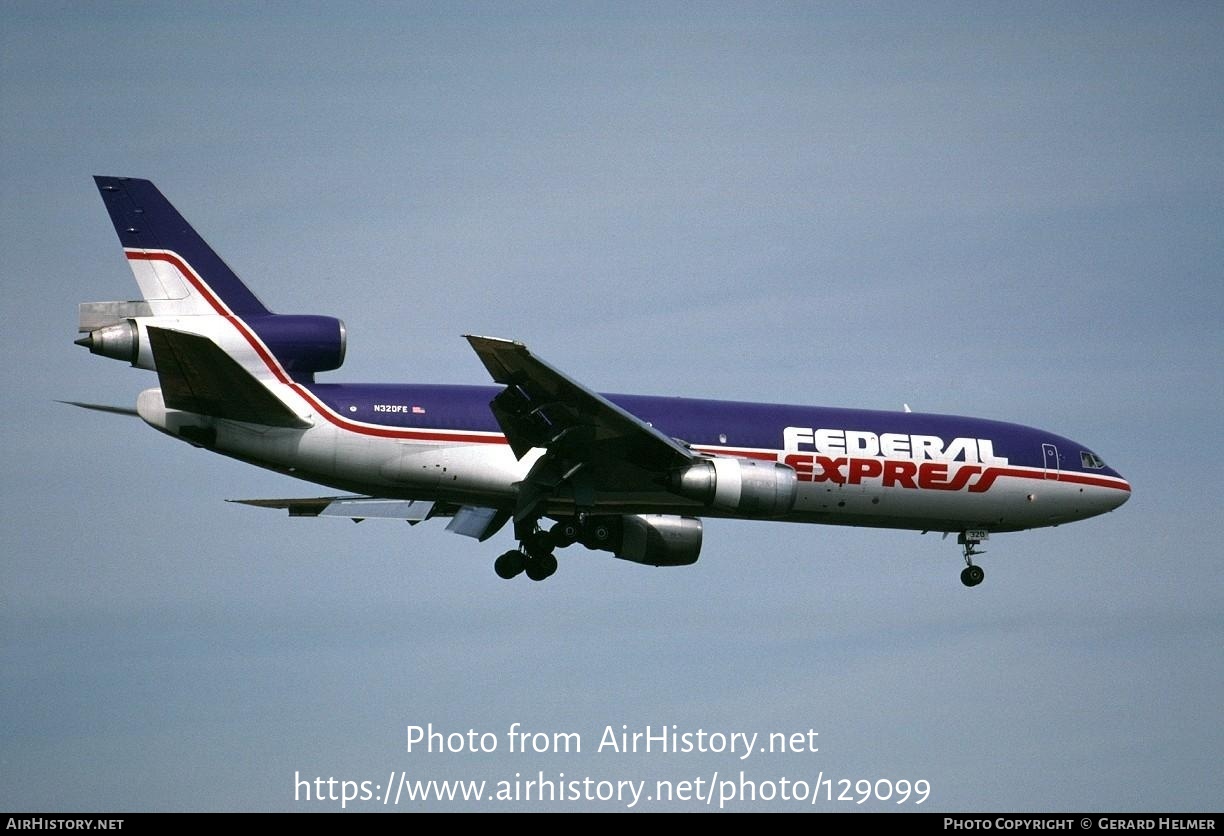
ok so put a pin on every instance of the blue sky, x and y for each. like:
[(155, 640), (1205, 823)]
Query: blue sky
[(971, 208)]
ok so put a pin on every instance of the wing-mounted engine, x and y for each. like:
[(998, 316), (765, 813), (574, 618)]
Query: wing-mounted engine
[(660, 540), (650, 539), (747, 487)]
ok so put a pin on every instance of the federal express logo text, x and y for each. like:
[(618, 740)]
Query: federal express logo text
[(847, 457), (890, 445)]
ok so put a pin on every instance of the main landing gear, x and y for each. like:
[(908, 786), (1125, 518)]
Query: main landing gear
[(537, 566), (534, 556), (972, 574)]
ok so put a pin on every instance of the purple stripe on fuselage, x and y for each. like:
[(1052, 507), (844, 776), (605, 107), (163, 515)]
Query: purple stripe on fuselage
[(704, 423)]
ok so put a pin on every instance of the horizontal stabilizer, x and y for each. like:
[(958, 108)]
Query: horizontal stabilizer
[(197, 376)]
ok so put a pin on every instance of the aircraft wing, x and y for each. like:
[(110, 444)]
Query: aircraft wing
[(468, 520), (354, 507), (590, 442)]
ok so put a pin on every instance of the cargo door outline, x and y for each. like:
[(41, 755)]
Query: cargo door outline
[(1049, 453)]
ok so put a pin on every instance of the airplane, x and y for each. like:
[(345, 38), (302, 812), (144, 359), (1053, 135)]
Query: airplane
[(627, 474)]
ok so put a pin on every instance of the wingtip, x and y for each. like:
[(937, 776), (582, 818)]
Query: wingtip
[(476, 339), (101, 407)]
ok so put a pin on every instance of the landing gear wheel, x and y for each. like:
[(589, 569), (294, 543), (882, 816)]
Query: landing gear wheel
[(972, 575), (510, 564), (541, 567), (596, 534), (564, 533)]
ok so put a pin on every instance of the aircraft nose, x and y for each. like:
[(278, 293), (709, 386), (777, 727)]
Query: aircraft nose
[(1121, 494)]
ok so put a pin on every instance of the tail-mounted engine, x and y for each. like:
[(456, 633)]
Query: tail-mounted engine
[(110, 329), (302, 344)]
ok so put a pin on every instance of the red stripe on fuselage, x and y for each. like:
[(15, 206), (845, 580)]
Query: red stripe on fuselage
[(989, 476), (763, 455)]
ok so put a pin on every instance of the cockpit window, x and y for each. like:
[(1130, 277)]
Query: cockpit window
[(1091, 460)]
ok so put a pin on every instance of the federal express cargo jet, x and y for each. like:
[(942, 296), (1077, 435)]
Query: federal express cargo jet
[(626, 474)]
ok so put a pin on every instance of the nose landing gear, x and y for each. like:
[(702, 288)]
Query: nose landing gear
[(972, 574)]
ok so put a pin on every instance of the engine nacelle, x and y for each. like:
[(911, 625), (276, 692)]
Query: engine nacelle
[(654, 539), (659, 540), (748, 487), (303, 344)]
